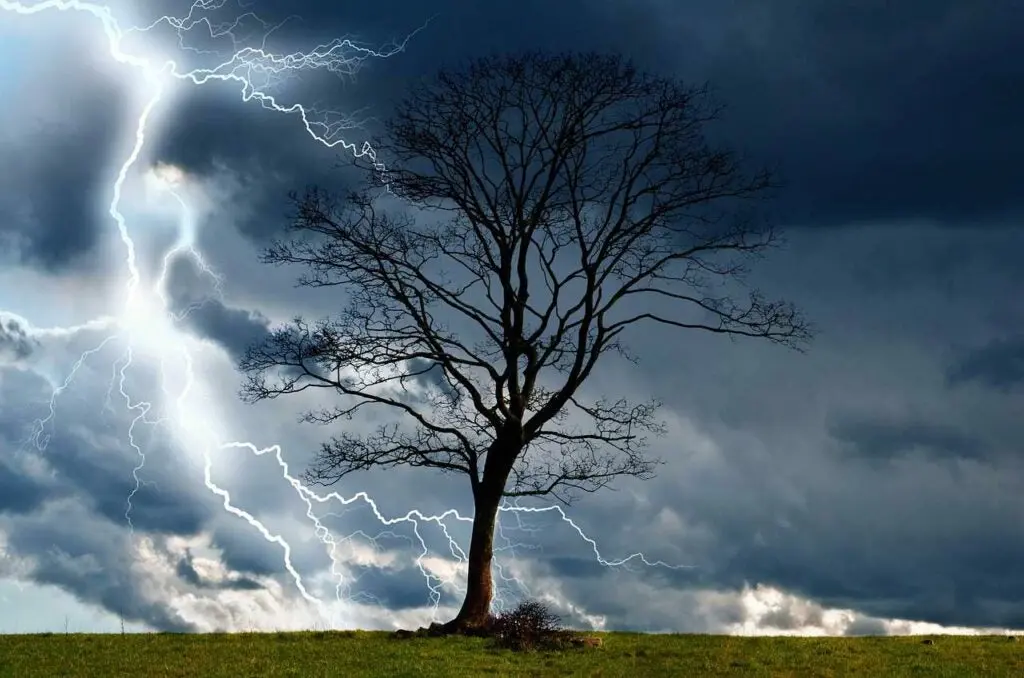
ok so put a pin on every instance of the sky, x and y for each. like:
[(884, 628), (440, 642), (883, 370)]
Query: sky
[(872, 485)]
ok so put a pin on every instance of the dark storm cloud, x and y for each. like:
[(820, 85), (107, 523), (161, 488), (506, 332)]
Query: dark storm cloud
[(15, 343), (56, 170), (187, 573), (273, 154), (849, 475), (210, 318), (89, 560), (234, 328), (575, 567), (72, 525), (19, 494), (243, 584), (395, 589), (873, 110), (242, 553), (909, 537), (96, 464), (879, 438), (999, 364), (948, 577), (930, 558)]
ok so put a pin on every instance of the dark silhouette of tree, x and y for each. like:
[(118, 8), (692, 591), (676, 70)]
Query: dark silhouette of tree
[(558, 201)]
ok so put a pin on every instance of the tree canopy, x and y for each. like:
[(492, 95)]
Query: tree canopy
[(539, 208)]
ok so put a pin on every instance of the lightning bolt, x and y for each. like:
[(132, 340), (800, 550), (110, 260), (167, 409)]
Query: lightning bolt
[(147, 321)]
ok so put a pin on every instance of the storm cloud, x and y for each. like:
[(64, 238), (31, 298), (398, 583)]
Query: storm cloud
[(868, 111), (998, 364), (57, 166)]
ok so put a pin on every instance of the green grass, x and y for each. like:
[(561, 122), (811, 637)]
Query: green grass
[(361, 653)]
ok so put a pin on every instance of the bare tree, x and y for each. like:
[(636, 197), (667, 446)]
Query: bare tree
[(540, 206)]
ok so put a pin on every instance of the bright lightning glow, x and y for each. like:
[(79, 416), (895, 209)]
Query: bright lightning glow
[(169, 176), (147, 326)]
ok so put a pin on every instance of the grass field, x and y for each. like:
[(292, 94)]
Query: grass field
[(351, 654)]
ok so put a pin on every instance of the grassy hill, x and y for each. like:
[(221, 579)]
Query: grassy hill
[(352, 654)]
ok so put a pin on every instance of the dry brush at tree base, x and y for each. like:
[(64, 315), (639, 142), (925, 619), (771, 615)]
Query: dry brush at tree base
[(528, 626), (538, 209)]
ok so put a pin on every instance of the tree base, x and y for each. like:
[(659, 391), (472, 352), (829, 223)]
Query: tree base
[(455, 627), (464, 627), (458, 627)]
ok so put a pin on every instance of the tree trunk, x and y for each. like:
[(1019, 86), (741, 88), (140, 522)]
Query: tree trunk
[(476, 608)]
